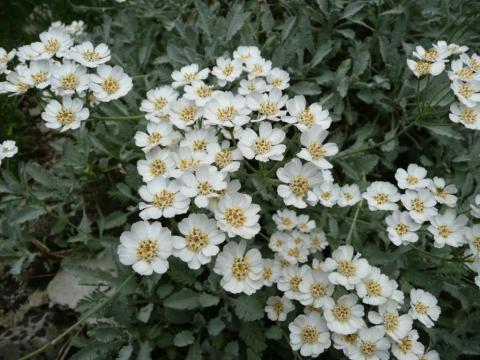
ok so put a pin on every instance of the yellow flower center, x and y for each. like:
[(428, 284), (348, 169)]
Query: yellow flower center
[(299, 185), (295, 282), (350, 339), (421, 308), (306, 117), (70, 81), (196, 240), (466, 90), (342, 312), (423, 67), (418, 205), (294, 252), (310, 335), (317, 151), (346, 268), (226, 113), (476, 243), (160, 103), (431, 55), (39, 77), (199, 145), (236, 217), (157, 167), (402, 229), (223, 158), (154, 137), (52, 46), (204, 91), (287, 222), (164, 198), (390, 321), (278, 307), (110, 85), (465, 73), (188, 113), (374, 288), (381, 198), (91, 55), (190, 76), (251, 86), (65, 116), (468, 116), (268, 108), (267, 273), (277, 83), (261, 146), (228, 70), (147, 250), (318, 290), (204, 188), (257, 69), (412, 180), (405, 345), (368, 348), (444, 231), (240, 267)]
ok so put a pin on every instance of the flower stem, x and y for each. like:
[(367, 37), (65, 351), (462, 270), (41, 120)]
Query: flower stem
[(348, 241), (114, 118)]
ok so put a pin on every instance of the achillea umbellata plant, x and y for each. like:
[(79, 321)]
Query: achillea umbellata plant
[(254, 210)]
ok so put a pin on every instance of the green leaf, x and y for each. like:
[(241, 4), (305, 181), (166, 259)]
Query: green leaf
[(144, 313), (322, 51), (29, 213), (183, 338), (236, 20), (248, 308), (352, 9), (145, 351), (125, 352), (306, 88), (215, 326), (115, 219), (184, 299), (207, 300)]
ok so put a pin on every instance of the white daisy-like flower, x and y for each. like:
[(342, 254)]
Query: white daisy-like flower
[(158, 103), (467, 92), (420, 204), (245, 53), (202, 184), (423, 307), (237, 216), (430, 355), (199, 242), (344, 316), (146, 247), (438, 52), (305, 224), (395, 325), (264, 146), (421, 67), (278, 241), (233, 187), (285, 219), (349, 195), (66, 115), (381, 195), (186, 160), (371, 345), (26, 53), (346, 343), (250, 86), (309, 334), (472, 235), (468, 116), (17, 84), (200, 92), (39, 73), (158, 162), (241, 270), (448, 229), (401, 228), (444, 194), (289, 281), (269, 105), (277, 308), (475, 207), (315, 288), (314, 150), (69, 78), (472, 61), (455, 49), (299, 179), (304, 117), (8, 149), (295, 249), (413, 178), (89, 55), (157, 134), (227, 159), (327, 193), (408, 347), (376, 288), (278, 79), (257, 66), (271, 271), (461, 72), (75, 28), (162, 199), (317, 241), (52, 43), (345, 268), (5, 58), (110, 83), (227, 70), (188, 74), (184, 113), (227, 110), (201, 141)]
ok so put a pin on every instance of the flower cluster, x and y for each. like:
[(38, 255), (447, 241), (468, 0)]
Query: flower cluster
[(464, 75), (72, 77), (8, 149)]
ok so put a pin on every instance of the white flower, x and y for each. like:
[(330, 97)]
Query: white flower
[(376, 288), (227, 110), (468, 116), (8, 149), (423, 307), (443, 193), (401, 228), (475, 207), (295, 249), (285, 219), (318, 241), (421, 67), (201, 141), (271, 271), (304, 224), (89, 55), (39, 73), (396, 326), (349, 195), (146, 247), (237, 216), (448, 229), (277, 308), (250, 86), (438, 52), (110, 83), (52, 43), (245, 53), (345, 268), (184, 113), (327, 193), (158, 162), (289, 281), (430, 355), (227, 159), (202, 184), (408, 347), (189, 74), (420, 204), (313, 148), (264, 146), (17, 84), (315, 288), (241, 271), (200, 92), (278, 79), (5, 57), (381, 195), (300, 179), (158, 102), (199, 242), (304, 117), (157, 134), (186, 160), (371, 345), (413, 178), (309, 334), (257, 66), (467, 92), (461, 72), (346, 343), (69, 78), (268, 105), (162, 199), (345, 316), (27, 53), (66, 115), (227, 70), (473, 237), (278, 241)]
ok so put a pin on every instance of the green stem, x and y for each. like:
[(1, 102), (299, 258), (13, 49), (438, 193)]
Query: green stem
[(130, 117), (348, 241), (79, 322)]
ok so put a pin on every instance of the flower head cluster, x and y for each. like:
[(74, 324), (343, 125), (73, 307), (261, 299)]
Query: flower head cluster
[(72, 76), (8, 149)]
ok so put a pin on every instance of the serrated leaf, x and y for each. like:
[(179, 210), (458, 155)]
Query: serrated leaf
[(183, 338), (29, 213), (215, 326), (184, 299), (248, 308), (306, 88), (207, 300)]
